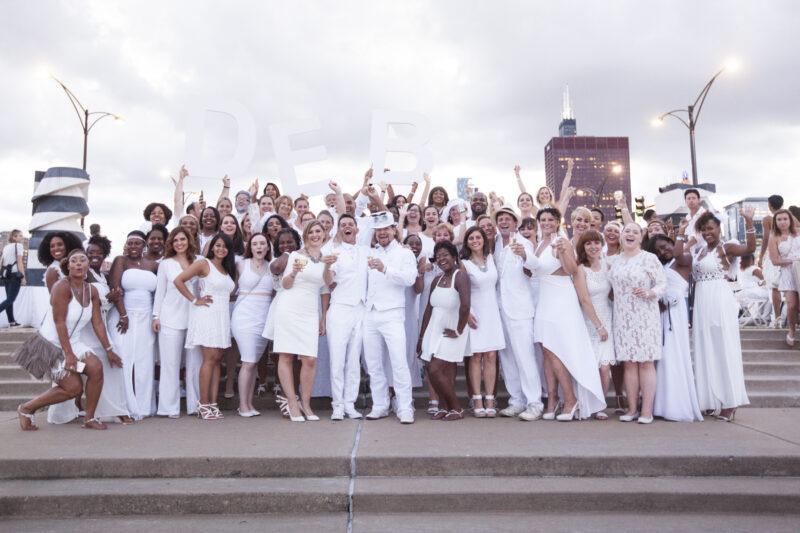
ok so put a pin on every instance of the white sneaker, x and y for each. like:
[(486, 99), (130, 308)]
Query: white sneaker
[(338, 413), (511, 411), (375, 414), (531, 413), (406, 417), (352, 413)]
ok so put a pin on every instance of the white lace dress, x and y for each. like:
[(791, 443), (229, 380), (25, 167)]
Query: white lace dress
[(599, 287), (637, 321), (715, 327)]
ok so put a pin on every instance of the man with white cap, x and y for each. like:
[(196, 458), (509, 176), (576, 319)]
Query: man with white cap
[(344, 322), (520, 372), (392, 268)]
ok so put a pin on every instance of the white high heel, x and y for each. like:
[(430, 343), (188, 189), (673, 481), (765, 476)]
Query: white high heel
[(309, 417), (556, 411), (478, 412), (566, 417)]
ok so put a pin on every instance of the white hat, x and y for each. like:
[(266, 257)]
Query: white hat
[(382, 219), (455, 202)]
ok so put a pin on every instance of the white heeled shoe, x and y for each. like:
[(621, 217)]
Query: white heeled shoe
[(629, 418), (556, 411), (573, 413), (310, 417)]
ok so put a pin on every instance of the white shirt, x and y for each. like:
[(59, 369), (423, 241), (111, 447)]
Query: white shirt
[(170, 305), (515, 302), (350, 272), (10, 253), (386, 290), (691, 231)]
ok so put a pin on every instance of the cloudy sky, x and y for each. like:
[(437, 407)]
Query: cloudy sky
[(488, 75)]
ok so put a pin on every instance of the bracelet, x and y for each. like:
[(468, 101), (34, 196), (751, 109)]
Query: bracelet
[(123, 316), (680, 238), (751, 230), (155, 316), (194, 301), (598, 328), (108, 348)]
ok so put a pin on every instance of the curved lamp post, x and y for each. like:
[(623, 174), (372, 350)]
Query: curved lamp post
[(84, 116), (693, 114)]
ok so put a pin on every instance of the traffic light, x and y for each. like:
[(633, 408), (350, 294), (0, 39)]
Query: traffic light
[(639, 206), (618, 213)]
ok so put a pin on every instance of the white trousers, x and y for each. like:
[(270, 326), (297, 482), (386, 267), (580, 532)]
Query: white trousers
[(171, 351), (137, 351), (345, 335), (518, 360), (387, 327)]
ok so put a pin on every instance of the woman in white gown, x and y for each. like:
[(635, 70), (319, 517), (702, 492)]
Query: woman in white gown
[(569, 360), (75, 304), (676, 395), (412, 309), (486, 333), (130, 324), (594, 289), (250, 314), (715, 325), (638, 280), (297, 316), (171, 323), (209, 316)]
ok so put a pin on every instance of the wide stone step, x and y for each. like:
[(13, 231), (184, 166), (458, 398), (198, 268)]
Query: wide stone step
[(11, 372), (499, 494), (788, 385), (762, 334), (99, 497), (768, 344), (785, 369), (770, 356), (24, 387), (16, 334), (773, 399)]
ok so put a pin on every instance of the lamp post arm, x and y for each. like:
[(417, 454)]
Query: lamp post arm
[(701, 98), (74, 101), (102, 114), (674, 114)]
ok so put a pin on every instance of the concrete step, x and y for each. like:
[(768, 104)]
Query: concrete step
[(769, 344), (787, 385), (11, 372), (24, 387), (497, 494), (786, 369), (72, 498), (762, 333), (773, 399), (770, 356), (16, 334), (103, 497)]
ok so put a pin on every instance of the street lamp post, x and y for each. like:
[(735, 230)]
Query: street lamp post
[(83, 117), (693, 117)]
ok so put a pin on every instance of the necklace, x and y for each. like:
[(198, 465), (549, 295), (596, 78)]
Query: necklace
[(314, 259), (483, 268)]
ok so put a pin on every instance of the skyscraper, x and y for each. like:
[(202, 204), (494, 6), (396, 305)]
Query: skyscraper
[(602, 166)]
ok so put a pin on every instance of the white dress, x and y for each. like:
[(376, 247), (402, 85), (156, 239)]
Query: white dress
[(250, 312), (599, 287), (715, 328), (788, 249), (558, 326), (137, 346), (412, 334), (676, 395), (210, 326), (637, 321), (445, 302), (296, 323), (269, 325), (76, 323), (488, 336)]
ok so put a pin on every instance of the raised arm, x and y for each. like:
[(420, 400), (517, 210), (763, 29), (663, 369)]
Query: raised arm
[(226, 188), (519, 179), (566, 190), (766, 224), (410, 196), (750, 233), (425, 191), (340, 206), (622, 204), (177, 197)]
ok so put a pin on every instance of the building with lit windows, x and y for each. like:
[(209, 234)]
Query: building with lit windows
[(602, 166), (734, 226)]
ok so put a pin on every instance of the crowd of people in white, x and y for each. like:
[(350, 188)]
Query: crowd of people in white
[(407, 287)]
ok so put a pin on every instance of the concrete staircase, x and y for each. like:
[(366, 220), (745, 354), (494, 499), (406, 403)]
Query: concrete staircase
[(772, 374)]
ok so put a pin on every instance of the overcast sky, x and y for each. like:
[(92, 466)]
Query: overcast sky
[(488, 75)]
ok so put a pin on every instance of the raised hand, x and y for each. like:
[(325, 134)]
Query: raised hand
[(253, 190), (335, 187), (226, 182), (516, 170), (682, 225), (402, 210), (570, 164), (426, 177), (183, 173), (748, 212)]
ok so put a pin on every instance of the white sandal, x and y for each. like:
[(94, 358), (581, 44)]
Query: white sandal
[(478, 412), (433, 407), (491, 412)]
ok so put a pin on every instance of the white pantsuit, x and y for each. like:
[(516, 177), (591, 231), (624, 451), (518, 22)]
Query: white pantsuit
[(172, 310), (521, 372), (385, 323), (171, 351), (345, 340)]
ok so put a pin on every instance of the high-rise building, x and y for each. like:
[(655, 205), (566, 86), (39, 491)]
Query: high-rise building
[(601, 166), (568, 126)]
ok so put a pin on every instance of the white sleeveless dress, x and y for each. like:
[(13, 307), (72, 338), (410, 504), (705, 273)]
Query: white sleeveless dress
[(137, 346), (250, 312), (445, 302), (210, 326), (488, 336), (676, 395), (788, 249), (296, 322), (715, 328), (558, 326), (599, 287)]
